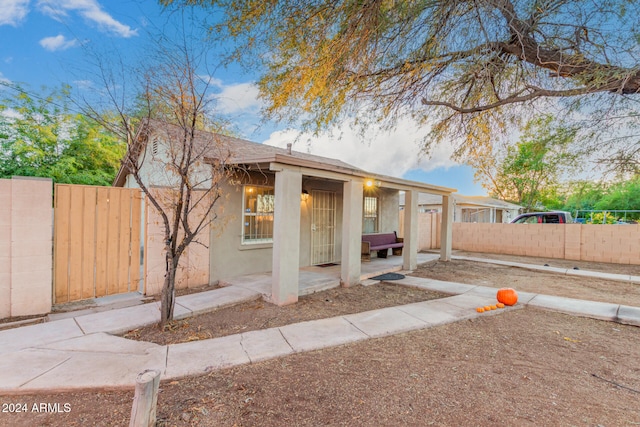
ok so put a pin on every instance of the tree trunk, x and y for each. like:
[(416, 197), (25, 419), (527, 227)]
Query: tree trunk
[(168, 292)]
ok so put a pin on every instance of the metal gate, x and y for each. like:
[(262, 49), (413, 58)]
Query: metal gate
[(323, 226), (96, 241)]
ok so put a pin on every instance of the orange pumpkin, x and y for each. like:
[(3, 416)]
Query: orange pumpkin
[(493, 307), (487, 308), (507, 296), (480, 310), (500, 305)]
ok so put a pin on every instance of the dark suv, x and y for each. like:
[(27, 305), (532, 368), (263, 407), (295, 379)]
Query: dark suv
[(558, 217)]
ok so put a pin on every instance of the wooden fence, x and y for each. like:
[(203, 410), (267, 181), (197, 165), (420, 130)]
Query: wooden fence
[(96, 241)]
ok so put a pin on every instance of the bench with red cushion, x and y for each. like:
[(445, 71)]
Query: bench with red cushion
[(381, 243)]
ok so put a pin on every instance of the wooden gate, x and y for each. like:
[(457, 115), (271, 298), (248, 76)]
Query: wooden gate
[(96, 241)]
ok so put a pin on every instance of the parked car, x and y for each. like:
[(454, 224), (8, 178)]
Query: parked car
[(559, 217)]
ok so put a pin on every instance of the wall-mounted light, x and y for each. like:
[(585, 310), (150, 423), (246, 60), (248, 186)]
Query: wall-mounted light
[(370, 183), (304, 196)]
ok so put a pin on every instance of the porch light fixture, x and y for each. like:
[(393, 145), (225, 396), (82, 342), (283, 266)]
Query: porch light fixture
[(304, 196), (371, 183)]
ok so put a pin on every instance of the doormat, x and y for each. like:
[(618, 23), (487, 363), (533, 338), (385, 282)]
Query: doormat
[(329, 264), (389, 276)]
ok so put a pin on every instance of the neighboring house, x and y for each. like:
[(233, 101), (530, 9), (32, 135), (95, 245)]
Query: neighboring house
[(288, 209), (470, 208)]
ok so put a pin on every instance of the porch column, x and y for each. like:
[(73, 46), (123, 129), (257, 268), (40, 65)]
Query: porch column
[(286, 237), (351, 232), (410, 250), (446, 228)]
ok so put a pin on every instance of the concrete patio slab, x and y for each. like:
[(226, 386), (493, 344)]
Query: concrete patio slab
[(629, 315), (97, 369), (102, 343), (414, 281), (525, 297), (323, 333), (40, 334), (199, 357), (120, 320), (260, 282), (433, 315), (265, 344), (469, 301), (593, 309), (436, 285), (202, 302), (179, 311), (485, 292), (384, 322), (546, 268), (17, 369), (598, 275)]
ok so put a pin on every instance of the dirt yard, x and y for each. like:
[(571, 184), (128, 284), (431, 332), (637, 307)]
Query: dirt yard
[(497, 276), (260, 315), (524, 367)]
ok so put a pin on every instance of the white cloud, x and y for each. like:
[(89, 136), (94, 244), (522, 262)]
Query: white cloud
[(88, 9), (56, 43), (237, 98), (389, 153), (13, 12), (4, 80)]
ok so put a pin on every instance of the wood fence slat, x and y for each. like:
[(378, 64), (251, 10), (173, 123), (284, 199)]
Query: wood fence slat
[(75, 246), (136, 212), (102, 254), (61, 244), (113, 241), (88, 242), (124, 236)]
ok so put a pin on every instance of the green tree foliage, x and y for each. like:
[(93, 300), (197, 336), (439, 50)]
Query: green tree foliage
[(528, 173), (583, 195), (621, 196), (40, 137), (473, 66)]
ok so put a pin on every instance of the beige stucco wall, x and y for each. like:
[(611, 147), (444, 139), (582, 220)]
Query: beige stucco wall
[(389, 205), (229, 257), (26, 224)]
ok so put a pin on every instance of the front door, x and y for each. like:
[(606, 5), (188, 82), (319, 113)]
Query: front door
[(323, 226)]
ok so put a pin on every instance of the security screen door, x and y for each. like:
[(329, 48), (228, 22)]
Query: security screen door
[(323, 226)]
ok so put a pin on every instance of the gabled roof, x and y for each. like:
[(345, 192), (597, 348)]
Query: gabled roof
[(243, 152)]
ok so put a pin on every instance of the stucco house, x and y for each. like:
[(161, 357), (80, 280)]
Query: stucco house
[(289, 209), (470, 208)]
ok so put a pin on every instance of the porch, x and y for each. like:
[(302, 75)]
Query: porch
[(314, 279)]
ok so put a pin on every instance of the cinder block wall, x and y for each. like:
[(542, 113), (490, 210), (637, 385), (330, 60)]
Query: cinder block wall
[(26, 224), (5, 248), (618, 244)]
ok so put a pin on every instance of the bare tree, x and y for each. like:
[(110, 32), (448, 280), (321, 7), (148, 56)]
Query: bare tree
[(174, 154)]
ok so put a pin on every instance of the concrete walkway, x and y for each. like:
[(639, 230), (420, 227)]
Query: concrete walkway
[(81, 352), (565, 271)]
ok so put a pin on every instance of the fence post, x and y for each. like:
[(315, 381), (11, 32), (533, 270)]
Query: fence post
[(143, 412)]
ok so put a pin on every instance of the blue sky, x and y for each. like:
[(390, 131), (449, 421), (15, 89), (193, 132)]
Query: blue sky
[(45, 43)]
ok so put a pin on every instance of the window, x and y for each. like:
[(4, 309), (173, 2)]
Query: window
[(370, 219), (257, 214)]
